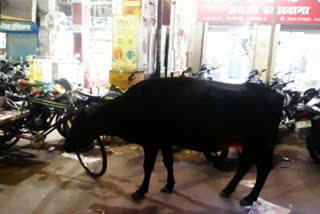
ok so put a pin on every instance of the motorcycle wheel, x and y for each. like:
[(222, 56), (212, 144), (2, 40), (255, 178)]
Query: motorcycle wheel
[(64, 128), (285, 120), (215, 157), (313, 146)]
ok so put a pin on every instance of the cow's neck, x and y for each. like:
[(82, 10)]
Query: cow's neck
[(108, 119)]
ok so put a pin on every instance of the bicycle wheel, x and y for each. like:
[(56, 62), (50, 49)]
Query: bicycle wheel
[(6, 137), (8, 141), (93, 158)]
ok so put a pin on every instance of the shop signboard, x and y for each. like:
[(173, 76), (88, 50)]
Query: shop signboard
[(242, 11), (101, 22), (18, 27)]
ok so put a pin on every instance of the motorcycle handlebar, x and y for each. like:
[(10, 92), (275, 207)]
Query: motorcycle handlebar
[(285, 84)]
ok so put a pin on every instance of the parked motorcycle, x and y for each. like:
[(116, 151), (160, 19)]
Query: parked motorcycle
[(254, 76), (308, 124), (291, 100), (205, 73), (308, 95)]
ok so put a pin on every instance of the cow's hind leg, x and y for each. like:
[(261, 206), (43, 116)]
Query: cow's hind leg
[(264, 167), (150, 156), (167, 156), (244, 165)]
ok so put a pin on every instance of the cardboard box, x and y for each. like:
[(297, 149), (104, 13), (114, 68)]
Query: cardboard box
[(131, 7), (120, 79)]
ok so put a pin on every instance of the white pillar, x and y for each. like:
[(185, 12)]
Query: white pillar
[(262, 48), (198, 47)]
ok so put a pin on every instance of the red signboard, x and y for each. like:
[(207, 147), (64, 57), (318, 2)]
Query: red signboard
[(259, 11)]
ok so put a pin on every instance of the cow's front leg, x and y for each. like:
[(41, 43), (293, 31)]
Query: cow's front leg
[(167, 156), (150, 156)]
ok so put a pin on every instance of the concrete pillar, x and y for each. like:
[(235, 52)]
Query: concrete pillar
[(262, 46), (198, 41), (188, 24), (81, 16)]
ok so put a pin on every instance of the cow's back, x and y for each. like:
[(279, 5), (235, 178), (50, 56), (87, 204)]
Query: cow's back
[(186, 109)]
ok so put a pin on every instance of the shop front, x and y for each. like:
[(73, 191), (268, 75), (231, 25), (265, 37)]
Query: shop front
[(242, 35), (18, 29)]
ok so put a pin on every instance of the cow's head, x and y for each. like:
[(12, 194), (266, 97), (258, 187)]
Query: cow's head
[(83, 130)]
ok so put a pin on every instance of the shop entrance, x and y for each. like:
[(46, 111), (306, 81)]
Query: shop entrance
[(298, 53), (231, 49)]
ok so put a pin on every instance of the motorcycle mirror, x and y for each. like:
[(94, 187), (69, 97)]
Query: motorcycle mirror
[(189, 70)]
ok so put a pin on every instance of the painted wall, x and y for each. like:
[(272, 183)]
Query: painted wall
[(21, 44)]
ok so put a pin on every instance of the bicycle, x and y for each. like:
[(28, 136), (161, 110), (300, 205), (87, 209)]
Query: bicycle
[(47, 113)]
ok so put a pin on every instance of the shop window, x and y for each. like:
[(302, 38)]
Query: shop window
[(298, 53), (66, 9), (3, 43), (101, 10), (230, 50)]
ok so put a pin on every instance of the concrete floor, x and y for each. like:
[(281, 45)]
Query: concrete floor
[(36, 181)]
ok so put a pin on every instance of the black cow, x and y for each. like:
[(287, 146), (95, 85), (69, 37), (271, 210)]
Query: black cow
[(194, 114)]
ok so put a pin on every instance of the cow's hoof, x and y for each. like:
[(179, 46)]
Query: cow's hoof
[(167, 190), (137, 196), (245, 204), (225, 194)]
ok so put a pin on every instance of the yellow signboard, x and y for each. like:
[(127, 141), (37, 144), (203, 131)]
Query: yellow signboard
[(125, 43)]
